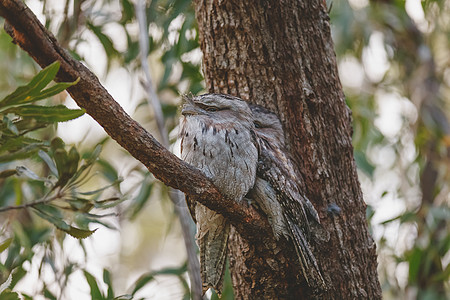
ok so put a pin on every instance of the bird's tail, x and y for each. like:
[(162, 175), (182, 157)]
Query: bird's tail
[(212, 239), (308, 262)]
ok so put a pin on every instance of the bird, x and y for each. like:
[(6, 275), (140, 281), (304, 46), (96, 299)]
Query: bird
[(217, 136), (276, 191)]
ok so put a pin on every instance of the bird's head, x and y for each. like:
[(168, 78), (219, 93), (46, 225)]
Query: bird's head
[(268, 125), (217, 108)]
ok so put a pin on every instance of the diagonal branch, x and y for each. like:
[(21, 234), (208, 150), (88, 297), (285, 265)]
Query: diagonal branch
[(27, 32)]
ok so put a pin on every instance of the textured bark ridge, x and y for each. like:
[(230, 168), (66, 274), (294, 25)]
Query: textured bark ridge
[(279, 54), (28, 33)]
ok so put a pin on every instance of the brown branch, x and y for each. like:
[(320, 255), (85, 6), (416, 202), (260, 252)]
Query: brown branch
[(27, 32)]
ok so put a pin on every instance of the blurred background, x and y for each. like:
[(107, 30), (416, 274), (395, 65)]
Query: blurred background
[(393, 59)]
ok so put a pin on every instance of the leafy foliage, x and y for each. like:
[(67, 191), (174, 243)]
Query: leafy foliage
[(50, 181), (53, 184), (43, 201), (414, 150)]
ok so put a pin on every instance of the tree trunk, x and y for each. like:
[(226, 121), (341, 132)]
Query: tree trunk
[(279, 54)]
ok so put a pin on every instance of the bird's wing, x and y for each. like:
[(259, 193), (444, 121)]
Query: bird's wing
[(278, 169)]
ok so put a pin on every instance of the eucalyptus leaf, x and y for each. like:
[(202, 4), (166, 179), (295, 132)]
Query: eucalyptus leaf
[(101, 190), (81, 205), (16, 143), (5, 244), (142, 281), (141, 199), (107, 279), (49, 295), (24, 93), (55, 220), (79, 233), (73, 160), (8, 295), (54, 90), (105, 40), (48, 161), (23, 153), (108, 203), (58, 113), (95, 290), (61, 224)]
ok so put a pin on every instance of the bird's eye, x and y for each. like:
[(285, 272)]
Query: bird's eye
[(257, 124), (211, 108)]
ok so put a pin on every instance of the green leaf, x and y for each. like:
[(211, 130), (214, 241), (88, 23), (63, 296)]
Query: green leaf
[(108, 170), (11, 126), (414, 264), (172, 271), (57, 143), (104, 40), (54, 90), (227, 292), (406, 217), (54, 216), (58, 113), (142, 281), (8, 295), (23, 93), (73, 160), (26, 297), (142, 198), (84, 219), (48, 294), (127, 11), (21, 154), (5, 244), (95, 290), (46, 213), (18, 274), (108, 281), (16, 143), (101, 190), (108, 203), (62, 160), (89, 160), (363, 164), (6, 284), (79, 204), (79, 233), (146, 278), (48, 161), (92, 157), (25, 125)]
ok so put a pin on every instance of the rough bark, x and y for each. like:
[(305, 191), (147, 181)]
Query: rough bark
[(27, 32), (279, 54)]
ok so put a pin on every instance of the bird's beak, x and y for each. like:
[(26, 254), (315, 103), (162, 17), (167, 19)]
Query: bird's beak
[(189, 109)]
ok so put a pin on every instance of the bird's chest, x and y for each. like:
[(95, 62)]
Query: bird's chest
[(226, 154)]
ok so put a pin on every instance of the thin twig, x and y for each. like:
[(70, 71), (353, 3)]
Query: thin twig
[(27, 32), (152, 96), (44, 200), (175, 195)]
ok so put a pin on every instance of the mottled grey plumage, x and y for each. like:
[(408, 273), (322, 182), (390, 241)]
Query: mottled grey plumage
[(217, 137), (276, 191)]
